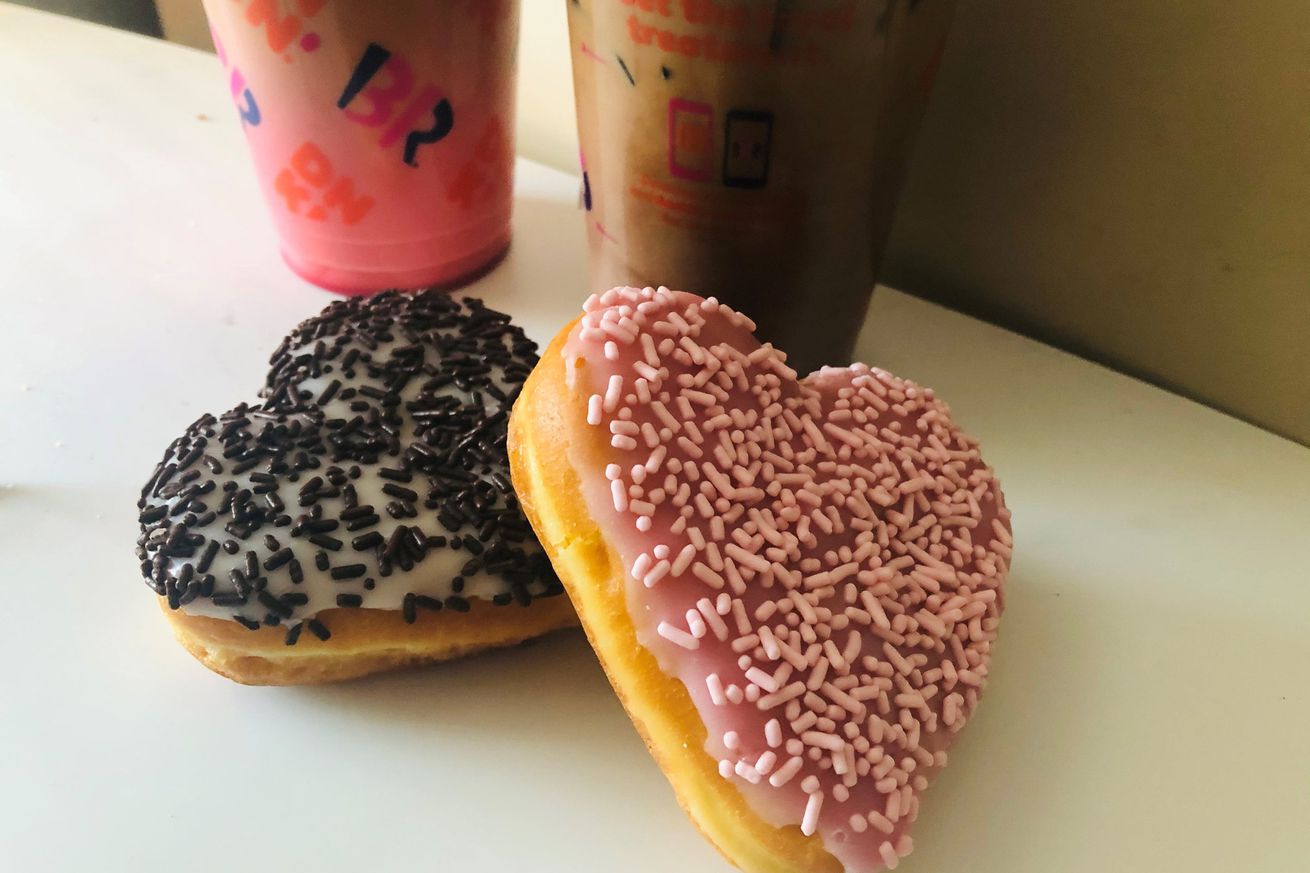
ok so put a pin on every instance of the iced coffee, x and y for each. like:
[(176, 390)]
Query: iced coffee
[(752, 149)]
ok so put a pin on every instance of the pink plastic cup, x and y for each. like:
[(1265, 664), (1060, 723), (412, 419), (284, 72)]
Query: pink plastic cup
[(382, 133)]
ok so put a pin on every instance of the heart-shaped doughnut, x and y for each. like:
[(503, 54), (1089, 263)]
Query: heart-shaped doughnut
[(793, 584), (360, 517)]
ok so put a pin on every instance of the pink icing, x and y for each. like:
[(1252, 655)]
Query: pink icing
[(820, 562)]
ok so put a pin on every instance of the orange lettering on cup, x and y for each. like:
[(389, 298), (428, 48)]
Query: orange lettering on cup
[(292, 192), (353, 207), (486, 171), (279, 29), (312, 165), (309, 168)]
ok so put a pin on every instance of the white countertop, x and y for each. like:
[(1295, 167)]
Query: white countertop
[(1149, 709)]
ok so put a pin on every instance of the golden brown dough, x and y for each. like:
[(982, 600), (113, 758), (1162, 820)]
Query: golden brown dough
[(363, 641)]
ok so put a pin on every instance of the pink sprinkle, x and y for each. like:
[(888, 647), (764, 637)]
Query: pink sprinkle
[(747, 772), (791, 692), (739, 615), (620, 495), (880, 821), (715, 686), (852, 649), (620, 333), (746, 643), (784, 774), (677, 636), (656, 459), (658, 572), (613, 391), (773, 733), (745, 558), (735, 582), (695, 624), (641, 566), (762, 679), (594, 410), (822, 740), (648, 350), (731, 741), (623, 442), (712, 619), (706, 575), (951, 709), (810, 821), (888, 855), (611, 350), (893, 810), (931, 623), (803, 606), (646, 371)]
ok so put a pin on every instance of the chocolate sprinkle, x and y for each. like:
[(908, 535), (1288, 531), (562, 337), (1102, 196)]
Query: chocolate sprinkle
[(406, 396)]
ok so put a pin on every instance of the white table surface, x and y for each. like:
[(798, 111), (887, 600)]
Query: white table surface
[(1149, 710)]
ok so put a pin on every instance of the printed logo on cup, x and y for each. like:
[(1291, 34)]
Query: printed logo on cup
[(747, 138), (691, 140), (373, 94), (309, 186), (283, 21), (487, 173), (746, 148)]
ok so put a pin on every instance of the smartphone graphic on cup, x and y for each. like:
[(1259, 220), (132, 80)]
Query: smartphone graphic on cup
[(747, 136)]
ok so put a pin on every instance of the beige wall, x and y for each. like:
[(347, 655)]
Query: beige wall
[(1130, 181), (1127, 180), (184, 21)]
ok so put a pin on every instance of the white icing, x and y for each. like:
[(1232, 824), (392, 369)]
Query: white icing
[(432, 576)]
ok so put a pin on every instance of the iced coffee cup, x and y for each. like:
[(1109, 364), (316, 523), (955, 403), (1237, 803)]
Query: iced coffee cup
[(752, 149), (381, 132)]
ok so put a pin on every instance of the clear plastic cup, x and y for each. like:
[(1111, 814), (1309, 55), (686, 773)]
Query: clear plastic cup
[(752, 150), (382, 133)]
